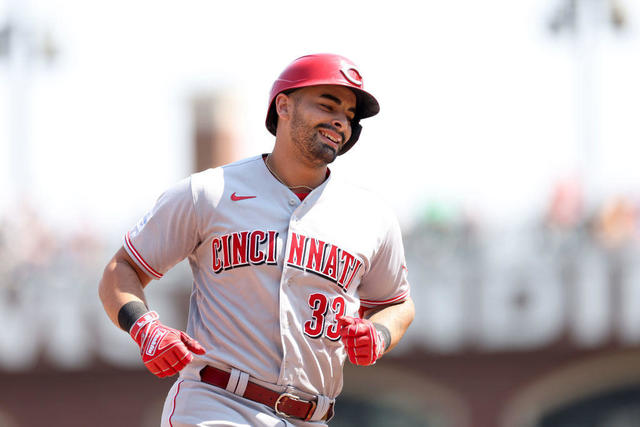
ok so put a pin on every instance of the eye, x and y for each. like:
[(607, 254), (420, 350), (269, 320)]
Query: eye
[(326, 107)]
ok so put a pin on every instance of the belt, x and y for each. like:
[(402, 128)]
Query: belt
[(285, 404)]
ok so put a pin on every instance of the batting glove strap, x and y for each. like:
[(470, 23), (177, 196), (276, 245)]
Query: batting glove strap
[(140, 327), (384, 334)]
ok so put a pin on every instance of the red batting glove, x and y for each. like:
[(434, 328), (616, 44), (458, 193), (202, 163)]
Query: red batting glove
[(165, 351), (364, 344)]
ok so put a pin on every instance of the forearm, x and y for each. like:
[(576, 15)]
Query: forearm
[(120, 284), (396, 318)]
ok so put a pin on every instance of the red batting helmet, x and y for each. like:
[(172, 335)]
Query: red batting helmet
[(324, 69)]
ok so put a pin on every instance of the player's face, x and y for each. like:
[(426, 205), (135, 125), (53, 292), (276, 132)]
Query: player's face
[(321, 121)]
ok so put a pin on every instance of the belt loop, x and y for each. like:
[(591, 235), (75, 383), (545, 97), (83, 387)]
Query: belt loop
[(242, 383), (233, 380), (321, 408)]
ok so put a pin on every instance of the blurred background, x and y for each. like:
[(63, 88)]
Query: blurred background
[(507, 143)]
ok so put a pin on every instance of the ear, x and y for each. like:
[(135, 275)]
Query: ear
[(283, 105)]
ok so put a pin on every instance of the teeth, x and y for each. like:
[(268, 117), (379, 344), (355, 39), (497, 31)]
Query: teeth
[(329, 136)]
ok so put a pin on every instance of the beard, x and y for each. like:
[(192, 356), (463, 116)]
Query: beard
[(309, 143)]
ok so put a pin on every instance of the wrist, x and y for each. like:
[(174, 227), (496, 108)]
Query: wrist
[(129, 313), (385, 335)]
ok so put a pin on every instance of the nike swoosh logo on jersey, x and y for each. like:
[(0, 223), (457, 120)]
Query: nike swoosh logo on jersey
[(236, 198)]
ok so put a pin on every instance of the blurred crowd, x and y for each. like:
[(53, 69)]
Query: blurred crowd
[(611, 223), (35, 252), (571, 271), (49, 305)]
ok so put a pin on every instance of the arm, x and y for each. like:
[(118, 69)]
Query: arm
[(379, 329), (396, 318), (367, 339), (122, 282), (164, 350)]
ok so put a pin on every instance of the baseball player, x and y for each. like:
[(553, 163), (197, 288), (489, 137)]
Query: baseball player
[(294, 270)]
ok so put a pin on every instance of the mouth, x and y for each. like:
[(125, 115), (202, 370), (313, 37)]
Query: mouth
[(334, 139)]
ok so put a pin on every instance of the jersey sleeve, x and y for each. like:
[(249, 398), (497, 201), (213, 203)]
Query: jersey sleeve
[(167, 234), (386, 281)]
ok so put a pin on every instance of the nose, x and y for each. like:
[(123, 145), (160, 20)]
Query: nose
[(341, 123), (343, 126)]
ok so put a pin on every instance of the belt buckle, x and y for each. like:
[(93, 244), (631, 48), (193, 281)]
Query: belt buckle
[(296, 398)]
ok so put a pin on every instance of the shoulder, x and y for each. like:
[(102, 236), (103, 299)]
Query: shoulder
[(209, 184)]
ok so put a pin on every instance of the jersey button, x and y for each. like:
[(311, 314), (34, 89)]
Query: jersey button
[(292, 202)]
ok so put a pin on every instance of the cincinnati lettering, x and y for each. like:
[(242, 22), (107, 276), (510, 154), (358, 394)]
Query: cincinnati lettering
[(323, 259), (244, 248)]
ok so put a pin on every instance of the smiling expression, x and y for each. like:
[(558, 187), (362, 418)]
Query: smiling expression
[(321, 121)]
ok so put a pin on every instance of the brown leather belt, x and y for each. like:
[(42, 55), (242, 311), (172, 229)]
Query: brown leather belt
[(285, 404)]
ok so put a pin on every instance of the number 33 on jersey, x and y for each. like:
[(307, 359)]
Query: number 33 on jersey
[(289, 268)]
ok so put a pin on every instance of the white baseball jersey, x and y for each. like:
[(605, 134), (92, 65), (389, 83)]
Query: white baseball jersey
[(272, 272)]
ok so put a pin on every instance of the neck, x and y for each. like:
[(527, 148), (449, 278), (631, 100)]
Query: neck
[(294, 172)]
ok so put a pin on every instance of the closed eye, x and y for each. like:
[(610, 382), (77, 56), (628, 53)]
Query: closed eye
[(338, 101), (350, 115)]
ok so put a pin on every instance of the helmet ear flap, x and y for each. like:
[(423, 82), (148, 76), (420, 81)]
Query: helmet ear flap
[(272, 119), (356, 129)]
